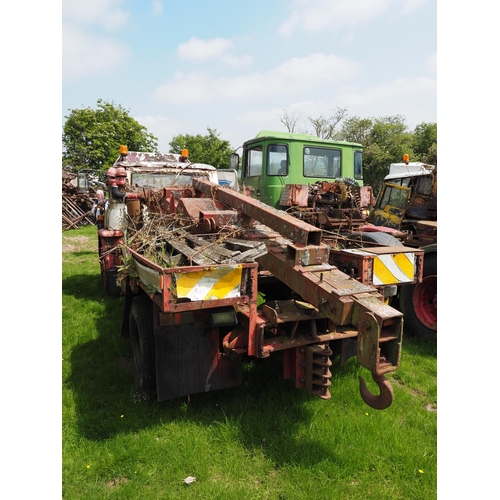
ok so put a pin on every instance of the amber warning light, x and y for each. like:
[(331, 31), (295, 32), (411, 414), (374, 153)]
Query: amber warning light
[(123, 150), (406, 158)]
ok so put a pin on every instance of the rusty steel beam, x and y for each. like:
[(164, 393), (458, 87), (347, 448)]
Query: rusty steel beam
[(287, 225), (325, 287)]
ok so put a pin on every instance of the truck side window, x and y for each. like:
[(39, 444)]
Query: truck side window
[(322, 162), (358, 165), (277, 159), (253, 167), (423, 185)]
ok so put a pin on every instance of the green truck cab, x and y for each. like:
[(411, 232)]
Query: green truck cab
[(274, 159)]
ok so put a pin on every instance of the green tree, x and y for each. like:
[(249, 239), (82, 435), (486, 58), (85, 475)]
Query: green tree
[(384, 140), (92, 137), (207, 149), (425, 143)]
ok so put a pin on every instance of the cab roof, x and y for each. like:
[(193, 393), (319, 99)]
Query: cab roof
[(411, 169), (287, 136), (158, 160)]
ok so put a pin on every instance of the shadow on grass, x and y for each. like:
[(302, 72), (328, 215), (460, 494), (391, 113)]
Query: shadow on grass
[(265, 409), (420, 346)]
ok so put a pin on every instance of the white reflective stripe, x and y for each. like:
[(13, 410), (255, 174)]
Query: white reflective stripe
[(148, 276), (387, 271)]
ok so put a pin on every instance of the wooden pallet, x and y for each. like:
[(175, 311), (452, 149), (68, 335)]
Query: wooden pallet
[(206, 250)]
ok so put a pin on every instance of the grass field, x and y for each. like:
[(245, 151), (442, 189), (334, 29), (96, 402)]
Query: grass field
[(262, 440)]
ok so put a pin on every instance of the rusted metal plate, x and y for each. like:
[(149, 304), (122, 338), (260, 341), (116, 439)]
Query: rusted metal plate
[(298, 255), (379, 344), (188, 361), (294, 195), (341, 283)]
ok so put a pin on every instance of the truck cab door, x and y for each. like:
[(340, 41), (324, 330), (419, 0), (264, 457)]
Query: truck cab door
[(264, 168), (390, 207)]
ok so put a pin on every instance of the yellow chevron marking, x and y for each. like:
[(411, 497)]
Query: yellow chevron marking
[(212, 283), (405, 264), (224, 286), (381, 272), (393, 269)]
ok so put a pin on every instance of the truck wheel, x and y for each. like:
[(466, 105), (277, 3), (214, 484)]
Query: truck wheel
[(418, 302), (143, 346), (110, 277), (378, 237)]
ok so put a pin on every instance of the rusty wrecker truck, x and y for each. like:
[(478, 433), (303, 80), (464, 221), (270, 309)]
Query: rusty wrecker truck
[(210, 275)]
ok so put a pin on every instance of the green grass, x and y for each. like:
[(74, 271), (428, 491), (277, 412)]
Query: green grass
[(262, 440)]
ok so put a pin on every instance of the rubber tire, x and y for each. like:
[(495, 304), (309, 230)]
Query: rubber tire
[(379, 237), (412, 323), (141, 332), (110, 282)]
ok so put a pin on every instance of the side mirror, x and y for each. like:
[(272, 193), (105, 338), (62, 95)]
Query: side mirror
[(234, 161)]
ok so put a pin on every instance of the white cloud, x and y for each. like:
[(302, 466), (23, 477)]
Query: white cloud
[(105, 13), (217, 48), (85, 50), (432, 64), (259, 116), (316, 15), (157, 7), (293, 76), (198, 50), (401, 87), (414, 98), (237, 62), (412, 5), (84, 53), (163, 128), (186, 89)]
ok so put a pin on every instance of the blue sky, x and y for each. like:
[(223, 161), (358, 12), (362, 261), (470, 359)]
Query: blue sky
[(180, 67)]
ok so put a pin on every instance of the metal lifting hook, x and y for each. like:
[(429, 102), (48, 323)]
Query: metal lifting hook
[(386, 397)]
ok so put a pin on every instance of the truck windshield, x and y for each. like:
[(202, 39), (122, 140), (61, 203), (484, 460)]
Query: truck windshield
[(322, 162), (158, 181), (394, 196)]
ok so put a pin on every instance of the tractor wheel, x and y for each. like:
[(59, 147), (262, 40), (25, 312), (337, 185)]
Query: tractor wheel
[(418, 303), (143, 346)]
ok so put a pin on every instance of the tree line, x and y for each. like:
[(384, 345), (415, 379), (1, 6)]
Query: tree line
[(92, 137), (384, 139)]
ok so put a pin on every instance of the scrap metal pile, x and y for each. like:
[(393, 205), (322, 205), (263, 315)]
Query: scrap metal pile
[(174, 239), (76, 207), (340, 205)]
